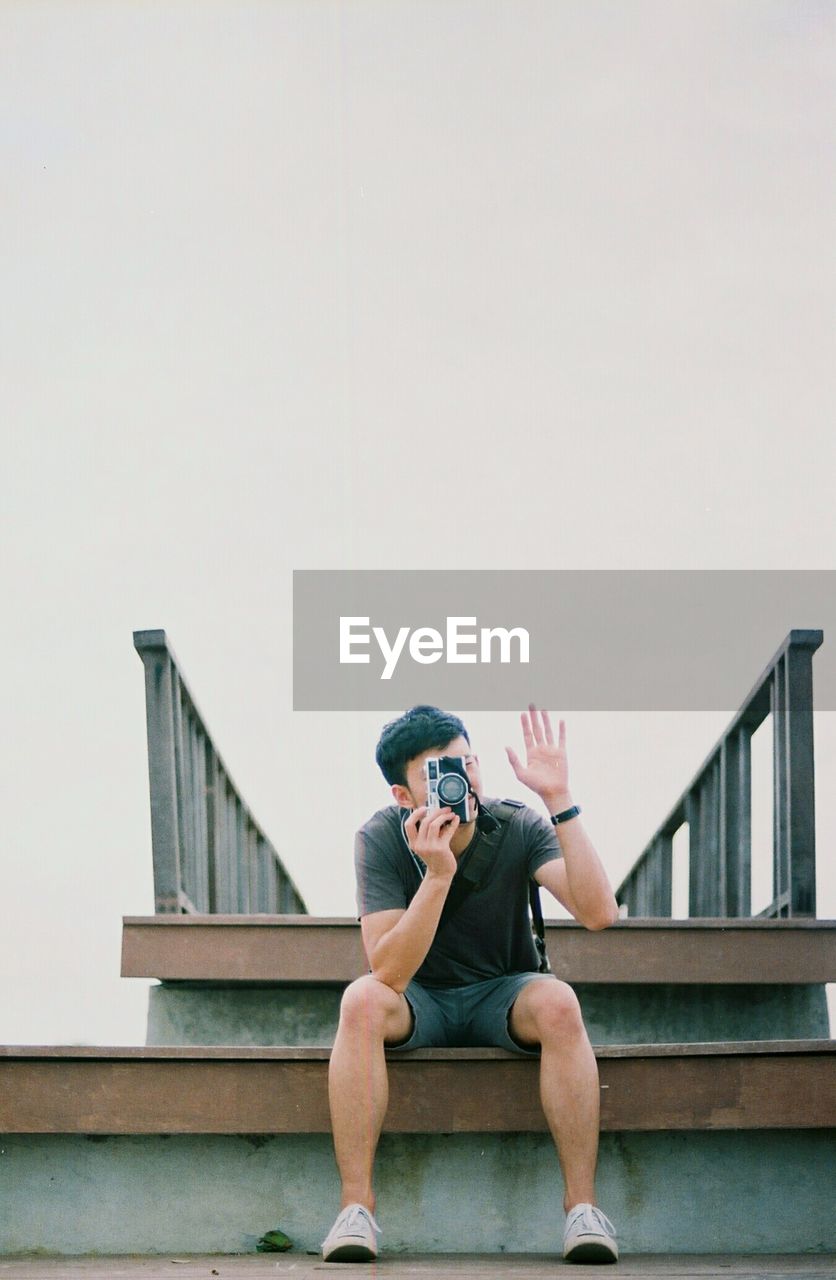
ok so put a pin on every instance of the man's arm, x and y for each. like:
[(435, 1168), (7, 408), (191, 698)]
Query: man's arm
[(579, 880), (397, 941)]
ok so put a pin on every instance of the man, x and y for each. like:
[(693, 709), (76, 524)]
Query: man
[(472, 977)]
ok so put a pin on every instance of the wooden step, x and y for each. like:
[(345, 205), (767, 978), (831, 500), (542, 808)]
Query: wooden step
[(309, 949), (117, 1090), (456, 1266)]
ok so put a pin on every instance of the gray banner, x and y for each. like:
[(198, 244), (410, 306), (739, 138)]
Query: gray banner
[(569, 640)]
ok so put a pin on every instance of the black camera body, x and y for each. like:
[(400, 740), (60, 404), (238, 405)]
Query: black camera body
[(447, 784)]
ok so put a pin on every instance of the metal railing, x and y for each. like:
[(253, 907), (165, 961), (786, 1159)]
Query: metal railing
[(717, 806), (210, 855)]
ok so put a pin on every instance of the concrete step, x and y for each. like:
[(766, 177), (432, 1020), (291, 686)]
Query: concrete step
[(260, 980), (203, 1013), (701, 1191), (704, 1148)]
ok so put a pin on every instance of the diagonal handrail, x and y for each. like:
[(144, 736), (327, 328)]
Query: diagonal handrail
[(210, 854), (717, 806)]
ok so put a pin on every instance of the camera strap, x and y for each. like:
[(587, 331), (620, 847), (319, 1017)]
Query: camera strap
[(539, 928), (477, 866)]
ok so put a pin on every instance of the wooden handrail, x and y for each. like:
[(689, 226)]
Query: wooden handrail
[(717, 806), (210, 854)]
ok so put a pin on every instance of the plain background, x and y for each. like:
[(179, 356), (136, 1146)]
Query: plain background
[(379, 285)]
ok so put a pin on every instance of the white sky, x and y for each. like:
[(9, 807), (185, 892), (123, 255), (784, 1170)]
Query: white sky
[(378, 285)]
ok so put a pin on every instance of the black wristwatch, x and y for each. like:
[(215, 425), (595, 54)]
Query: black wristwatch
[(566, 814)]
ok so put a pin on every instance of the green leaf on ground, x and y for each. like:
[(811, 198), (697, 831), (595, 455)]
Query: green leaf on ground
[(274, 1242)]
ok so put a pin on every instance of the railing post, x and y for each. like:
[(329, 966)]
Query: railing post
[(639, 891), (693, 818), (736, 821), (210, 773), (228, 834), (713, 869), (201, 805), (272, 884), (663, 865), (255, 870), (162, 776), (780, 831), (794, 833), (239, 844)]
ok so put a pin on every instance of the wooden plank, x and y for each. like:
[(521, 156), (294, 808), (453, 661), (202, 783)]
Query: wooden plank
[(299, 921), (456, 1266), (230, 953), (229, 1053), (452, 1091), (282, 949)]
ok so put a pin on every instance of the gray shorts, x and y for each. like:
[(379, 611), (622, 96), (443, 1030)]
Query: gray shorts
[(464, 1017)]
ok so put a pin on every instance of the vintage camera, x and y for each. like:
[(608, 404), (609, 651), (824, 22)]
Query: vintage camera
[(447, 784)]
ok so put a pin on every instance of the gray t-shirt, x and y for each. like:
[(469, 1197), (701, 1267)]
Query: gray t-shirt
[(490, 932)]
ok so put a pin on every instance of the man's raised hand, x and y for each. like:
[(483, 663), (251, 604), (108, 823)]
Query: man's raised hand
[(546, 770), (430, 838)]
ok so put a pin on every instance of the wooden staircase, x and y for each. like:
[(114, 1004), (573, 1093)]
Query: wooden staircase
[(760, 1108), (716, 1064)]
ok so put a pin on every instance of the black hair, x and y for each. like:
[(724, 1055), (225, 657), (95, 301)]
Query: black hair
[(415, 731)]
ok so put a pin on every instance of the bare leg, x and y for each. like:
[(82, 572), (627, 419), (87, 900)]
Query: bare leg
[(548, 1013), (358, 1086)]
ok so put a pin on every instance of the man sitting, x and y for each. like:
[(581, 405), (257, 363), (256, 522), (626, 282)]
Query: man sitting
[(470, 976)]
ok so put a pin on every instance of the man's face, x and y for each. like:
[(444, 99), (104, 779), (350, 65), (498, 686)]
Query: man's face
[(414, 793)]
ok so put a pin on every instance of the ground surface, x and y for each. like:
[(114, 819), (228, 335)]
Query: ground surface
[(457, 1266)]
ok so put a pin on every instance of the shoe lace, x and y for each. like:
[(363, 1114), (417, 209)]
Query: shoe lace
[(593, 1219), (354, 1216)]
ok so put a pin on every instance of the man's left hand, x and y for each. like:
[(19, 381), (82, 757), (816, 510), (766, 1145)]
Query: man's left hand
[(546, 770)]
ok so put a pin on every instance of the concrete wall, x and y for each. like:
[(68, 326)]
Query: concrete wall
[(178, 1014), (736, 1192), (614, 1014)]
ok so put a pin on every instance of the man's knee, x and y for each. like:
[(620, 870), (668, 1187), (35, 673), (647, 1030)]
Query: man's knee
[(369, 1005), (554, 1009)]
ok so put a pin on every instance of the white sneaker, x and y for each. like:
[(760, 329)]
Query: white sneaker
[(589, 1236), (352, 1237)]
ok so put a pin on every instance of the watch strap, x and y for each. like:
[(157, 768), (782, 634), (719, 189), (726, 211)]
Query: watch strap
[(566, 814)]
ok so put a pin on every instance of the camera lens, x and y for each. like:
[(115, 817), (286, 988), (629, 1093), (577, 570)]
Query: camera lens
[(452, 788)]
